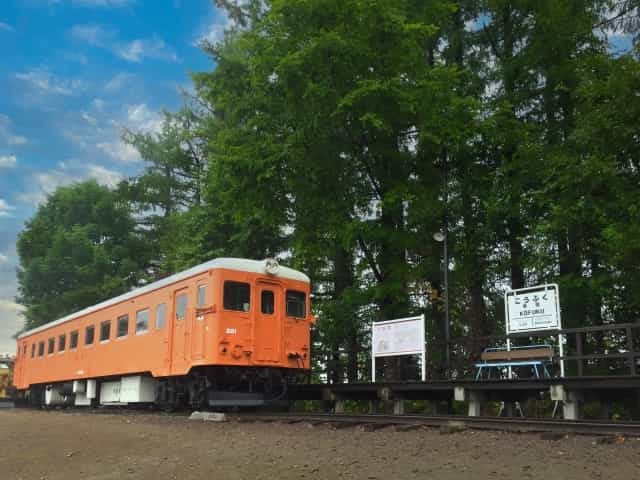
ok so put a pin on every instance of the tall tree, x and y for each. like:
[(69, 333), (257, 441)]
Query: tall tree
[(81, 247), (169, 193)]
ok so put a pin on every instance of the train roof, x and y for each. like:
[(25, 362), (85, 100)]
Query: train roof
[(240, 264)]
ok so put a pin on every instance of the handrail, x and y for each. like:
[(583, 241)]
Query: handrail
[(519, 347), (564, 331)]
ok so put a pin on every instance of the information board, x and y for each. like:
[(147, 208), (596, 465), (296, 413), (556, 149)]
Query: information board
[(403, 336), (533, 309)]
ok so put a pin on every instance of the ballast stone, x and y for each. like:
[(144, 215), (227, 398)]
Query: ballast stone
[(208, 416), (453, 427)]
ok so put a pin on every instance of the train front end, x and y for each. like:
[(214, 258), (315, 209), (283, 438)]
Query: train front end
[(260, 329)]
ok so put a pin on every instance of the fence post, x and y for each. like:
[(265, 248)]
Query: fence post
[(631, 354), (579, 353)]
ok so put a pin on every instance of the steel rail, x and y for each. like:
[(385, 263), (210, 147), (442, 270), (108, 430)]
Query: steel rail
[(522, 425), (378, 421)]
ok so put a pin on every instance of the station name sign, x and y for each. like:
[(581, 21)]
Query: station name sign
[(533, 309)]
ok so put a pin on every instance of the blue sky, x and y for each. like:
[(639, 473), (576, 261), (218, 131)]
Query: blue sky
[(72, 74)]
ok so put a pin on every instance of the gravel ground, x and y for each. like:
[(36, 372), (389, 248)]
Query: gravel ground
[(38, 445)]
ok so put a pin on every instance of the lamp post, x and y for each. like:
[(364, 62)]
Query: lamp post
[(441, 237)]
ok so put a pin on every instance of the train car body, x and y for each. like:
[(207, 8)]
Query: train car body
[(226, 332)]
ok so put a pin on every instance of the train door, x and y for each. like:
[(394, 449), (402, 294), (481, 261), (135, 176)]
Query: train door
[(199, 323), (179, 330), (268, 322)]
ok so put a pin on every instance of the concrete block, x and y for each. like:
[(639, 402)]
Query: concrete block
[(475, 403), (572, 410), (208, 416), (398, 406)]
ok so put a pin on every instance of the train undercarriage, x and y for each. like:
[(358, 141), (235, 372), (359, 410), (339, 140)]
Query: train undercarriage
[(203, 388)]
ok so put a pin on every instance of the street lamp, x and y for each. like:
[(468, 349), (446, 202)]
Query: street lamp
[(441, 237)]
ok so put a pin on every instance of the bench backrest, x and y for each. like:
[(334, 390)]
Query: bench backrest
[(537, 353)]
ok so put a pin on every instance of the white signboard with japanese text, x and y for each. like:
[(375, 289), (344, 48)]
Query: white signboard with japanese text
[(533, 309), (398, 337), (403, 336)]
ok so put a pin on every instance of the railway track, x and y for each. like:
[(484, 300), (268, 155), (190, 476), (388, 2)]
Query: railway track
[(407, 422), (522, 425)]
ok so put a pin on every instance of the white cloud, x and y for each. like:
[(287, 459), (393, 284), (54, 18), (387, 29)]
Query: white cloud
[(66, 173), (8, 161), (98, 103), (138, 50), (141, 118), (103, 175), (3, 259), (6, 26), (92, 34), (45, 83), (7, 135), (103, 3), (88, 118), (5, 208), (138, 118), (10, 323), (120, 151), (118, 82), (44, 183), (213, 32), (17, 140), (132, 51), (96, 3)]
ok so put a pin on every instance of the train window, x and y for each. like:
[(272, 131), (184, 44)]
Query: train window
[(73, 339), (296, 304), (161, 315), (236, 296), (89, 334), (24, 349), (202, 294), (181, 306), (142, 321), (62, 343), (105, 330), (52, 345), (33, 350), (123, 326), (41, 349), (267, 302)]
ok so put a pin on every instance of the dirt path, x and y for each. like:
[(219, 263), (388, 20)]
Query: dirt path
[(55, 445)]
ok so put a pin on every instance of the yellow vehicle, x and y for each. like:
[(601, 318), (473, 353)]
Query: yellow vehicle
[(6, 371)]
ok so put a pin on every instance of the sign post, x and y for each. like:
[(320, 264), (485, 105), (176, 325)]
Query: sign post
[(402, 336), (534, 309)]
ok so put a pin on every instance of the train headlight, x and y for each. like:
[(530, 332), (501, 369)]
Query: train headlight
[(271, 266)]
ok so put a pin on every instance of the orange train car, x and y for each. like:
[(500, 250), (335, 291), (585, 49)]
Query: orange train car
[(227, 332)]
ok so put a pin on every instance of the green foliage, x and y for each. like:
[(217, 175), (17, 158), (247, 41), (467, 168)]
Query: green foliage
[(80, 248), (340, 135)]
